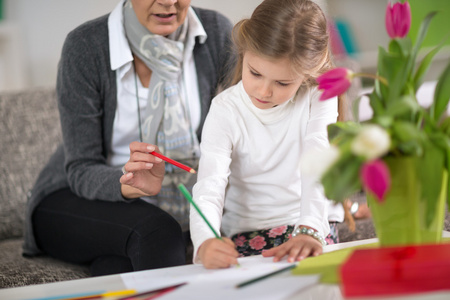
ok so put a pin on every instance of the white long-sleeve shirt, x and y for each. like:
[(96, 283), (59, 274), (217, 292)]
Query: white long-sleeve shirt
[(249, 174)]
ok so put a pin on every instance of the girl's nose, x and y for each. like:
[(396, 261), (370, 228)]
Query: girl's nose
[(265, 90)]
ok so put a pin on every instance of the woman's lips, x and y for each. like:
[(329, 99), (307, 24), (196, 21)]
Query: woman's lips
[(165, 17)]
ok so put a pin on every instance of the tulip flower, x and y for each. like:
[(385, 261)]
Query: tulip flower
[(398, 19), (334, 82), (371, 142), (376, 178)]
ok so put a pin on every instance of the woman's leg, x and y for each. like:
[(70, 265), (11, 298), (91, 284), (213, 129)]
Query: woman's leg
[(113, 237)]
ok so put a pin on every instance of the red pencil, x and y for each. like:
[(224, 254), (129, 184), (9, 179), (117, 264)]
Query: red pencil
[(173, 162)]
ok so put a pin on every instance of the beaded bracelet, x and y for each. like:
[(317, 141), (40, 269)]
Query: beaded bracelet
[(310, 232)]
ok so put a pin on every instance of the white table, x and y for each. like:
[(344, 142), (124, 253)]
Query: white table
[(115, 282)]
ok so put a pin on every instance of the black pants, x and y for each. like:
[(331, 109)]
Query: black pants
[(113, 237)]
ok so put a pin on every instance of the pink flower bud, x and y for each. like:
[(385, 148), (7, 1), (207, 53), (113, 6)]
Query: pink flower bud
[(334, 82), (398, 19), (376, 178)]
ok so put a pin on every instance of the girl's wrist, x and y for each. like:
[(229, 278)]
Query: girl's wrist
[(309, 231)]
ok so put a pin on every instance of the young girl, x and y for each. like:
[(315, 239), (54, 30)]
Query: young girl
[(249, 182)]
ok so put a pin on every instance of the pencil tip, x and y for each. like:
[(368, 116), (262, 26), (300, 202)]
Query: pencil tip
[(192, 171)]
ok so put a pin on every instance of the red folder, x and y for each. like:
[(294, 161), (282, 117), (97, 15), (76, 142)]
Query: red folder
[(396, 270)]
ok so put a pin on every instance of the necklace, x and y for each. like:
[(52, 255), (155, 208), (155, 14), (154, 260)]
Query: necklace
[(137, 102)]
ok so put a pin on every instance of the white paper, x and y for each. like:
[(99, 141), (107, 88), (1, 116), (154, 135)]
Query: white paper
[(221, 283)]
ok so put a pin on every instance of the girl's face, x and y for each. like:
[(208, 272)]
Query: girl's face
[(161, 17), (269, 83)]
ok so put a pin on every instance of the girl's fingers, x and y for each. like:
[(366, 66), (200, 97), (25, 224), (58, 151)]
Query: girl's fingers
[(280, 252), (294, 253), (304, 253)]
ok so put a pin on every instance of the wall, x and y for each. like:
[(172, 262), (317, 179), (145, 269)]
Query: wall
[(32, 32), (39, 27)]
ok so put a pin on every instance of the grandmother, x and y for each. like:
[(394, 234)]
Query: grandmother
[(137, 80)]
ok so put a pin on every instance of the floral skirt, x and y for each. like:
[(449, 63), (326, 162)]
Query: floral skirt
[(256, 242)]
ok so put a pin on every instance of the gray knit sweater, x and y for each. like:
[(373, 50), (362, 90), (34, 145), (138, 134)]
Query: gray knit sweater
[(86, 89)]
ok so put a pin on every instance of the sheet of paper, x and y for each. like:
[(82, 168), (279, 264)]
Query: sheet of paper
[(220, 284), (161, 278)]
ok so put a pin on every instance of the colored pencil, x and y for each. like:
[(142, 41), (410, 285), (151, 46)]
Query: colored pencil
[(152, 294), (90, 295), (188, 196), (113, 294), (245, 283), (71, 296), (173, 162)]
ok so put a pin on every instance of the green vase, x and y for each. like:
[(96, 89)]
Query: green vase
[(413, 210)]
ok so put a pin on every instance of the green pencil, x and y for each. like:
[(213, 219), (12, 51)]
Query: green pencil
[(188, 196), (245, 283)]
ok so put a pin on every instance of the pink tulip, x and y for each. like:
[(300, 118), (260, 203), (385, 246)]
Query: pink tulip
[(334, 82), (376, 178), (398, 19)]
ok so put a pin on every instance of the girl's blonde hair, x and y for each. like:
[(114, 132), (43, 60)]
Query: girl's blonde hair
[(293, 29)]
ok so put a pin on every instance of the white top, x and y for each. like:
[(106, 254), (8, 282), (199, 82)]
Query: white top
[(126, 126), (249, 174)]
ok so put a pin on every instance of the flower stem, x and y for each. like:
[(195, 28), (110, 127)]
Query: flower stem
[(367, 75)]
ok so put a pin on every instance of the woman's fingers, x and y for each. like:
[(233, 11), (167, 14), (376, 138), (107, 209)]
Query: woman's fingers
[(142, 147)]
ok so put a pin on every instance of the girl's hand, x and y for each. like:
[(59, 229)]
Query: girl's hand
[(215, 253), (145, 172), (297, 248)]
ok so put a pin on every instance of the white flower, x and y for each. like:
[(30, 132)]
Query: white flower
[(317, 162), (371, 142)]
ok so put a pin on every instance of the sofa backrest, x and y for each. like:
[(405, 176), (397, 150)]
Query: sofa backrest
[(29, 133)]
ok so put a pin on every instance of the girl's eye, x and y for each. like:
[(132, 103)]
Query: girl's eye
[(254, 73), (283, 84)]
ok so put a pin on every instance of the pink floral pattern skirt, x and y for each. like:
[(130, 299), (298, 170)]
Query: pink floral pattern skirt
[(255, 242)]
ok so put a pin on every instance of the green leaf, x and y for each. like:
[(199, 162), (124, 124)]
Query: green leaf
[(422, 33), (342, 130), (445, 126), (381, 91), (342, 180), (355, 108), (425, 65), (376, 104), (401, 46), (441, 95), (394, 68), (408, 138), (407, 104)]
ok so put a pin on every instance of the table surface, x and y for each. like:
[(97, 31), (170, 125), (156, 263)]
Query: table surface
[(115, 282)]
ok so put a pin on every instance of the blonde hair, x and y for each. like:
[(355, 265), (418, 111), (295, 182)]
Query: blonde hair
[(293, 29)]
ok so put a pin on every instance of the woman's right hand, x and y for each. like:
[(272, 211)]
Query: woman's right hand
[(145, 172), (215, 253)]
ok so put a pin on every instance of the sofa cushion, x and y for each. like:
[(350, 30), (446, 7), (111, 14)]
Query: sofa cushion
[(29, 134), (16, 270)]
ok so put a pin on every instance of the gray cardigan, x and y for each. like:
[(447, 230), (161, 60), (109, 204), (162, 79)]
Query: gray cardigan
[(86, 90)]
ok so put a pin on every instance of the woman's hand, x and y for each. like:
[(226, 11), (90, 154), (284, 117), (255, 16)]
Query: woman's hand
[(297, 248), (145, 172), (215, 253)]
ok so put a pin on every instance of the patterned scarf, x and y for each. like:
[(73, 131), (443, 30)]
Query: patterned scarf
[(166, 122)]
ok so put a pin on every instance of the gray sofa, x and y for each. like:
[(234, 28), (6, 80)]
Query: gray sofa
[(29, 133)]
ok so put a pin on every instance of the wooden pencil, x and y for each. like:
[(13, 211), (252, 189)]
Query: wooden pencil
[(245, 283), (188, 196), (173, 162)]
